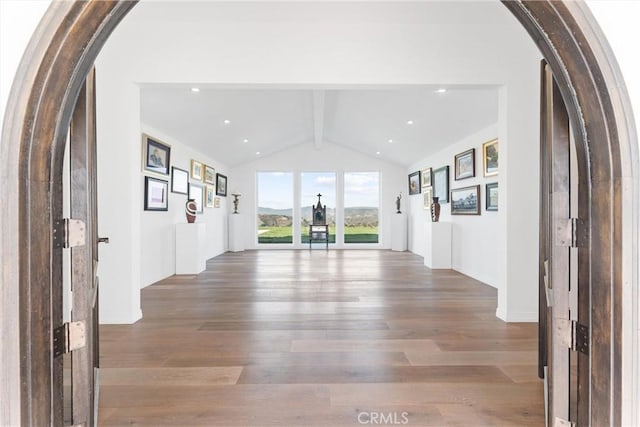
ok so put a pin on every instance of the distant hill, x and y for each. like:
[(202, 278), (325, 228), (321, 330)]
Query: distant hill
[(271, 211)]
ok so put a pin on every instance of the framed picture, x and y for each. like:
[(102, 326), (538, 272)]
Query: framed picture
[(156, 155), (414, 183), (156, 194), (179, 180), (196, 192), (440, 181), (210, 196), (490, 160), (425, 176), (465, 164), (221, 185), (427, 195), (209, 175), (465, 201), (491, 194), (197, 170), (216, 202)]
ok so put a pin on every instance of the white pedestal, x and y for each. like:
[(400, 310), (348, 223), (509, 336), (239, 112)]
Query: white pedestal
[(399, 232), (437, 252), (237, 230), (190, 248)]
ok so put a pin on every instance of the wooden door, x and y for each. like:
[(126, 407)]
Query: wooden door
[(84, 257), (564, 307)]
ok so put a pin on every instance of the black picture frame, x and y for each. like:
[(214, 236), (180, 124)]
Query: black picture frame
[(156, 194), (414, 183), (465, 164), (465, 201), (179, 180), (156, 155), (221, 185), (196, 192), (440, 184), (491, 196)]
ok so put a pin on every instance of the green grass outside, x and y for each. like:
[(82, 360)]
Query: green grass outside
[(351, 235)]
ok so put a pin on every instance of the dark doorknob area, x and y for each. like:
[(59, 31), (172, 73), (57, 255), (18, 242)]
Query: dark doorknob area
[(103, 240)]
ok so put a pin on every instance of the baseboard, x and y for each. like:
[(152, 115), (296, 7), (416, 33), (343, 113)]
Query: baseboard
[(517, 317)]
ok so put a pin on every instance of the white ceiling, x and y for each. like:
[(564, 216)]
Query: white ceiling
[(274, 119)]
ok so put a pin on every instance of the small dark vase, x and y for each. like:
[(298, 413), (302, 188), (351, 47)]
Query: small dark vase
[(190, 210), (435, 210)]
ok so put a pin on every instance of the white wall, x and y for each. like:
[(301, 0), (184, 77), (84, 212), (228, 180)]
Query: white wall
[(475, 239), (329, 158), (158, 227)]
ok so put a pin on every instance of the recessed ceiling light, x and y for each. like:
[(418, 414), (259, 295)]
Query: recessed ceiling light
[(245, 140), (409, 122), (390, 141), (441, 90), (257, 153), (226, 121), (378, 153), (195, 89)]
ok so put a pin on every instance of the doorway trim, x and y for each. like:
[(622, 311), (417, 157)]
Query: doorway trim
[(55, 64)]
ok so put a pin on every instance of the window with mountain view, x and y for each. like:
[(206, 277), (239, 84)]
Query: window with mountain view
[(312, 184), (275, 207), (361, 203)]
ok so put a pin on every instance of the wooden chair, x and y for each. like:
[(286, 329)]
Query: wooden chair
[(319, 229)]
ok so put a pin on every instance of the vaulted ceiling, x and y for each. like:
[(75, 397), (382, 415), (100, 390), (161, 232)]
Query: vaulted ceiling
[(399, 124)]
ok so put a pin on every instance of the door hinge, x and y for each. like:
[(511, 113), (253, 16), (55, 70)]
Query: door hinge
[(69, 233), (560, 422), (574, 335), (571, 232), (68, 337)]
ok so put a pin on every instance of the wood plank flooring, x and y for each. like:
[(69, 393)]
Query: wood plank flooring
[(320, 338)]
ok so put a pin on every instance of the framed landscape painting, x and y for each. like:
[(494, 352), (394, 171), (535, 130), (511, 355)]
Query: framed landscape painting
[(490, 159), (209, 175), (425, 175), (156, 155), (440, 181), (465, 164), (465, 201), (197, 170), (414, 183), (491, 194), (221, 185)]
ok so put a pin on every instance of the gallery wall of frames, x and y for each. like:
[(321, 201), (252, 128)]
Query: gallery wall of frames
[(171, 173), (464, 177)]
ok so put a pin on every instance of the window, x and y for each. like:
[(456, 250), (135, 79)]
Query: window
[(312, 184), (275, 207), (361, 203)]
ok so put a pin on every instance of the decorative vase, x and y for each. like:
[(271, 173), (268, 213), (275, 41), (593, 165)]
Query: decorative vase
[(190, 209), (435, 210)]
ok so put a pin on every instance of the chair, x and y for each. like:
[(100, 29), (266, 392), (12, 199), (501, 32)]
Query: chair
[(319, 229)]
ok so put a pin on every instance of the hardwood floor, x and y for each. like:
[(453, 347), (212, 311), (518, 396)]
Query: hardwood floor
[(320, 338)]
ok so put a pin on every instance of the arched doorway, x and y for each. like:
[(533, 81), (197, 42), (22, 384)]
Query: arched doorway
[(56, 65)]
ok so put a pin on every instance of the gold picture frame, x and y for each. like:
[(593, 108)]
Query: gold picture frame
[(209, 175), (427, 197), (490, 159), (425, 176), (197, 170)]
